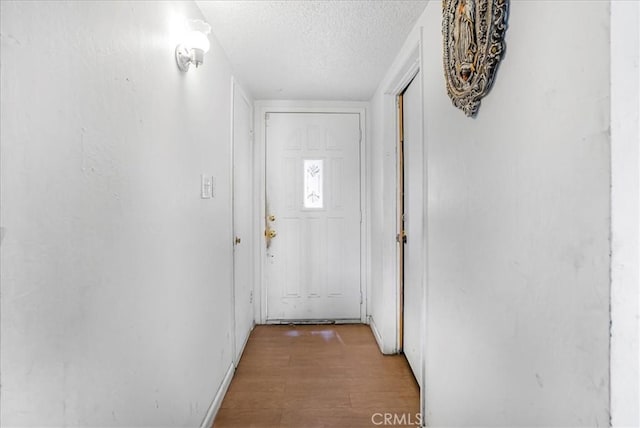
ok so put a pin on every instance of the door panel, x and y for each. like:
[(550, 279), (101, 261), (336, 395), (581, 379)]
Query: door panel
[(242, 220), (313, 193), (413, 225)]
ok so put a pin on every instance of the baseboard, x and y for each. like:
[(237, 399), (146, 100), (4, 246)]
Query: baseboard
[(244, 344), (376, 333), (217, 401)]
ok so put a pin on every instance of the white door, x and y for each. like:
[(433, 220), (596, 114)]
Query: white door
[(242, 219), (413, 199), (313, 208)]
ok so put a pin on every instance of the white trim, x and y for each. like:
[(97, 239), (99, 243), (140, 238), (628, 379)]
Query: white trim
[(376, 334), (232, 220), (364, 217), (408, 68), (293, 106), (244, 345), (259, 174), (258, 214), (207, 422), (367, 210), (407, 72)]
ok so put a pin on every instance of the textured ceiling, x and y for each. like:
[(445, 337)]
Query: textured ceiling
[(320, 50)]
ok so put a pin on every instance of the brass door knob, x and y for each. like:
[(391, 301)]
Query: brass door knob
[(272, 233), (272, 217)]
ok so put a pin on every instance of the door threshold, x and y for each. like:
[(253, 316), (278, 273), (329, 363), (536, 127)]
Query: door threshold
[(314, 321)]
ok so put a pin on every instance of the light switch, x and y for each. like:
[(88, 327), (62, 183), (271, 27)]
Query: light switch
[(206, 186)]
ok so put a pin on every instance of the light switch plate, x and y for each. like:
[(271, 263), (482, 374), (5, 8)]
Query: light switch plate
[(206, 186)]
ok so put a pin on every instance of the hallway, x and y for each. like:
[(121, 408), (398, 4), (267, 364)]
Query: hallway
[(149, 216), (317, 376)]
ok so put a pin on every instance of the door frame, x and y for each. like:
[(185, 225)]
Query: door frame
[(408, 68), (401, 236), (408, 72), (261, 109)]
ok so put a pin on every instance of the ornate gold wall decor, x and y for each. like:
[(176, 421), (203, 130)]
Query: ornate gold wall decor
[(473, 33)]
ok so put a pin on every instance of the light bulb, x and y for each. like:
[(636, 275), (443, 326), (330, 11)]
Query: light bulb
[(197, 40)]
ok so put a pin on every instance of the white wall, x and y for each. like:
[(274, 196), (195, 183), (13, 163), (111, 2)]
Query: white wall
[(116, 276), (518, 226), (625, 198)]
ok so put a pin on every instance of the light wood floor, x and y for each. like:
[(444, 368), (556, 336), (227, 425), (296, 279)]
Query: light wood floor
[(318, 376)]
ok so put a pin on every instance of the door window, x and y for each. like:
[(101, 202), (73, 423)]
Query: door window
[(313, 175)]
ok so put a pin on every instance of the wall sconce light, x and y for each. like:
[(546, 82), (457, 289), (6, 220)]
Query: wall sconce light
[(194, 46)]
